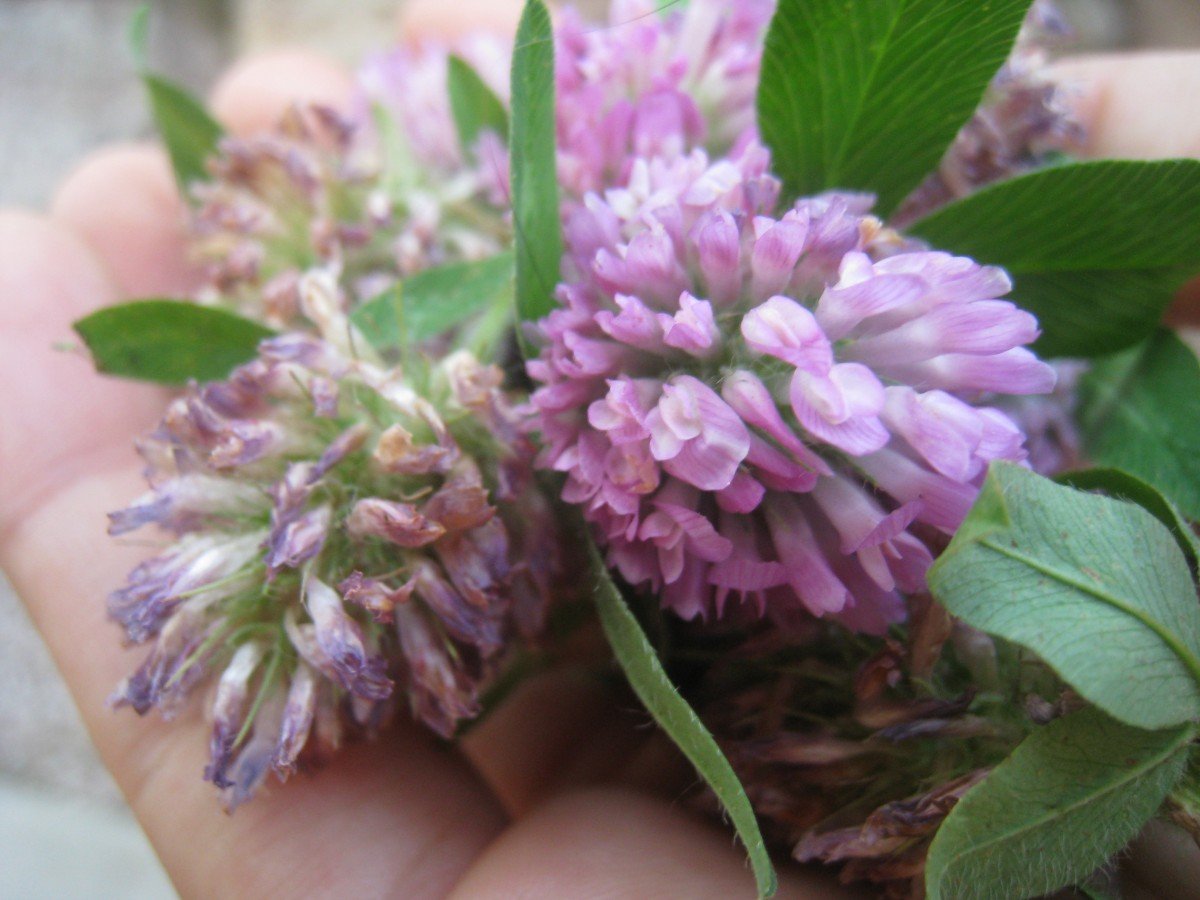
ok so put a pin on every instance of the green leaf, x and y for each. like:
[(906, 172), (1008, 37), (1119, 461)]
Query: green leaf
[(474, 105), (534, 177), (867, 95), (1098, 588), (1120, 485), (139, 35), (1140, 411), (432, 302), (673, 714), (1096, 249), (1072, 795), (189, 132), (169, 341)]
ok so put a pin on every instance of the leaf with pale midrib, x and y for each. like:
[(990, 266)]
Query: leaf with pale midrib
[(673, 714), (1140, 411), (868, 95), (1096, 249), (1072, 795), (1098, 588), (169, 341)]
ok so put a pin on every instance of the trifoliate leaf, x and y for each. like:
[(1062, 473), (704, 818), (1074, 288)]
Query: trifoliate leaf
[(1073, 794), (169, 341), (1096, 249), (868, 95), (673, 714), (1098, 588), (534, 177), (1140, 411)]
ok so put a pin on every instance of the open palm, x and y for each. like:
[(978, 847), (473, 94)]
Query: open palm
[(564, 792)]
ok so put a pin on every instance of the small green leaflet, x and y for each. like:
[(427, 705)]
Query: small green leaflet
[(1072, 795), (868, 95), (474, 105), (188, 131), (534, 177), (432, 302), (1096, 249), (169, 341), (1140, 411), (1098, 588), (1120, 485), (673, 714)]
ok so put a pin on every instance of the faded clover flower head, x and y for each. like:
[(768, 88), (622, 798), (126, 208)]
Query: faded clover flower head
[(343, 534), (280, 203), (773, 412)]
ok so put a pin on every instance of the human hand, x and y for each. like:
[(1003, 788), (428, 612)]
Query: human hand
[(560, 794), (508, 815)]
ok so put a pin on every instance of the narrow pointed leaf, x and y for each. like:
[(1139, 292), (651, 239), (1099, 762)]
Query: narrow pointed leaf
[(434, 301), (673, 714), (169, 341), (1140, 411), (1098, 588), (1096, 249), (1072, 795), (868, 95), (188, 131), (534, 178), (139, 35), (474, 105)]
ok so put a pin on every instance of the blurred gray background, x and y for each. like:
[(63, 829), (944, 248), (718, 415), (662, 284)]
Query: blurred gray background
[(66, 87)]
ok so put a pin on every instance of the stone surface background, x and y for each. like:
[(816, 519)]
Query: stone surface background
[(66, 86)]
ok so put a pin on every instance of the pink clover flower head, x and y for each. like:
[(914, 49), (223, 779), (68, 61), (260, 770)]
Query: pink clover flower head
[(654, 82), (779, 411), (336, 547)]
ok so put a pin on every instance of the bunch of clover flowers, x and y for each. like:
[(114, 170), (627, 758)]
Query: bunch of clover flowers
[(769, 412), (339, 537)]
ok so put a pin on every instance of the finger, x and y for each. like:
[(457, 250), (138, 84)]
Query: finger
[(1135, 106), (437, 20), (123, 202), (566, 729), (613, 843), (371, 821), (58, 421), (252, 95)]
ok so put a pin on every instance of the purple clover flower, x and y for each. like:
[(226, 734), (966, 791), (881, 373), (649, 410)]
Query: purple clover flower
[(769, 412), (336, 543)]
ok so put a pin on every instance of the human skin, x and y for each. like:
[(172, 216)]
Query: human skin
[(561, 793)]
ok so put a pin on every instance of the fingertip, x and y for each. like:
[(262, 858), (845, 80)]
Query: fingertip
[(254, 94), (122, 201), (48, 275), (1132, 105), (436, 20)]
